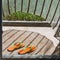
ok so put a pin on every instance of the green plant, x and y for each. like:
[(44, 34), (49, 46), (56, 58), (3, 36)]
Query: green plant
[(22, 16)]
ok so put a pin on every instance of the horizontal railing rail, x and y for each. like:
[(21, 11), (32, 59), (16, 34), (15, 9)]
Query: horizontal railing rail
[(28, 23)]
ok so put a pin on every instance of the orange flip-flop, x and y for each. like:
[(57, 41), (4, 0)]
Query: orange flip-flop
[(15, 46), (27, 50)]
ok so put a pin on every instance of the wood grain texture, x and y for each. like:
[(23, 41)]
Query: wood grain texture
[(12, 39), (34, 43), (6, 32), (8, 36), (20, 39), (45, 48), (43, 45)]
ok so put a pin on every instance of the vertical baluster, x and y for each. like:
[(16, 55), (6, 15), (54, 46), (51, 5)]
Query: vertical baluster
[(28, 6), (15, 5), (8, 6), (21, 5), (3, 13), (55, 12), (35, 6), (57, 22), (49, 9), (42, 7)]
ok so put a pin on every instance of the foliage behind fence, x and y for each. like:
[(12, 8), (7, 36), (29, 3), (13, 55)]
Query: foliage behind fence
[(48, 9)]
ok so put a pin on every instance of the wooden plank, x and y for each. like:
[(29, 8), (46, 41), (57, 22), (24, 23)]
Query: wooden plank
[(20, 39), (8, 36), (6, 32), (47, 46), (51, 50), (27, 42), (38, 38), (29, 38), (16, 52), (12, 39), (40, 46)]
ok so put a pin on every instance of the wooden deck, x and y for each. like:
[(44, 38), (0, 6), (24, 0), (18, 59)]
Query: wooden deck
[(43, 44)]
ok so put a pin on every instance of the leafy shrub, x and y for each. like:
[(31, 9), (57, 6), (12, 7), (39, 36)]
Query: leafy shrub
[(22, 16)]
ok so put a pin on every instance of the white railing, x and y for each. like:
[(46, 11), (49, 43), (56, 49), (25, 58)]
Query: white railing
[(49, 9)]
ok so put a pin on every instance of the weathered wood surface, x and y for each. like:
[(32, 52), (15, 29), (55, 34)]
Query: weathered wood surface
[(44, 45)]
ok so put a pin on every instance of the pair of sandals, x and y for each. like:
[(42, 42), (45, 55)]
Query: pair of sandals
[(21, 45)]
